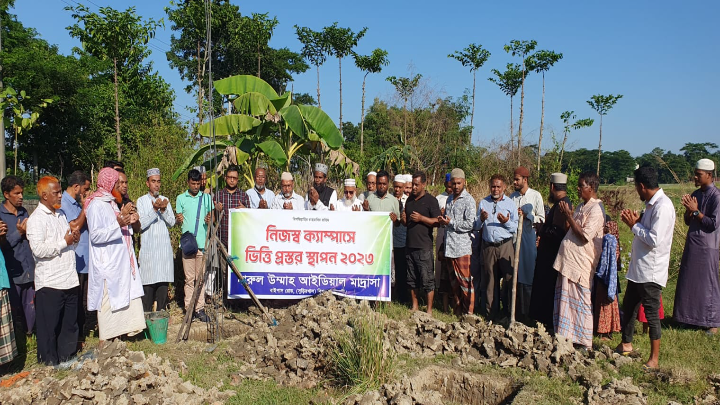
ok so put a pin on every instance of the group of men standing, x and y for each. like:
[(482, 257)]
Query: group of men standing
[(73, 259)]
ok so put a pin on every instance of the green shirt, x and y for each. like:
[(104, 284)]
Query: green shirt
[(187, 205), (386, 204)]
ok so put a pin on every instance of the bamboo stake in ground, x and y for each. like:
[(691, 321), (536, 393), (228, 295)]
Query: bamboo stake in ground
[(515, 270)]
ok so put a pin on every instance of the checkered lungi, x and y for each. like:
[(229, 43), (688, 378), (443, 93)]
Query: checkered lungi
[(8, 349), (463, 285), (573, 316)]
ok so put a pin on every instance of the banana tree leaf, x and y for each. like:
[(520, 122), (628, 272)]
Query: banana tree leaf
[(221, 145), (246, 145), (242, 84), (322, 124), (282, 101), (274, 151), (232, 124), (255, 104), (313, 137), (294, 120)]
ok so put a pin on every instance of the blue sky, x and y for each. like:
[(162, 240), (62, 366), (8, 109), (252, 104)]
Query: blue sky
[(659, 54)]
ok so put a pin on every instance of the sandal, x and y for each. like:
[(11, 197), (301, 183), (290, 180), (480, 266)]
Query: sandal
[(648, 369)]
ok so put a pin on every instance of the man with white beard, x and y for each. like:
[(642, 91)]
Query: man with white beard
[(260, 197), (287, 199), (350, 202)]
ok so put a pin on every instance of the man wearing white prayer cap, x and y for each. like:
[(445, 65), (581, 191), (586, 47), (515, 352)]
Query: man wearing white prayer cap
[(697, 297), (287, 199), (321, 197), (156, 254), (349, 202), (370, 184)]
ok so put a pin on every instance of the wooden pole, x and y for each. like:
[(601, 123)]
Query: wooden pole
[(515, 270)]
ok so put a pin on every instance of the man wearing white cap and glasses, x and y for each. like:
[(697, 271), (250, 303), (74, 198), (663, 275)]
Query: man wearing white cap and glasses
[(156, 253), (321, 197), (697, 297), (349, 202), (370, 184), (287, 199)]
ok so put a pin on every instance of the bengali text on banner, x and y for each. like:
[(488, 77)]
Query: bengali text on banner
[(287, 254)]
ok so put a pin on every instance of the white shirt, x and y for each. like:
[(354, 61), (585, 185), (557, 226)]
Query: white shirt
[(650, 256), (342, 207), (297, 202), (54, 259), (320, 206), (111, 262)]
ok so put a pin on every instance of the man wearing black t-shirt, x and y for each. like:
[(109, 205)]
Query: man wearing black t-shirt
[(420, 216)]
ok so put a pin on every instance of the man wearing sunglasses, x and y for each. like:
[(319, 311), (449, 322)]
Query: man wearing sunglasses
[(350, 202), (498, 218)]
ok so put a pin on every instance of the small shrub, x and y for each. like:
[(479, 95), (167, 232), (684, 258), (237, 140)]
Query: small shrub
[(359, 359)]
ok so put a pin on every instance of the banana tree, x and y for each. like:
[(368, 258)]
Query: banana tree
[(265, 123)]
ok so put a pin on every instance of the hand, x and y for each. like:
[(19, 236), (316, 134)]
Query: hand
[(134, 217), (521, 212), (565, 209), (123, 220), (502, 218), (127, 209), (157, 204), (415, 217), (3, 228), (218, 206), (484, 215), (366, 205), (263, 204), (393, 217), (690, 203), (207, 218), (313, 196), (69, 238), (356, 208), (630, 217), (74, 226), (288, 205), (21, 226), (332, 207), (179, 218), (443, 220), (442, 211), (403, 216), (76, 236), (163, 205)]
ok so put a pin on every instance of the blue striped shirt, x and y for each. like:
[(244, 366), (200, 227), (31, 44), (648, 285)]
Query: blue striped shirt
[(156, 253), (492, 230)]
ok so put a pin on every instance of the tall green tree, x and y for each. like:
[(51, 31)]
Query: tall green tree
[(5, 5), (475, 57), (340, 42), (119, 36), (405, 86), (260, 29), (541, 62), (372, 63), (602, 104), (315, 50), (521, 49), (694, 151), (570, 123), (509, 83)]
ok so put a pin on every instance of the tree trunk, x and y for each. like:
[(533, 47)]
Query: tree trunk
[(542, 120), (362, 118), (258, 60), (117, 111), (405, 122), (200, 88), (562, 149), (599, 147), (3, 164), (318, 85), (340, 66), (36, 166), (472, 114), (15, 145), (512, 135), (522, 106)]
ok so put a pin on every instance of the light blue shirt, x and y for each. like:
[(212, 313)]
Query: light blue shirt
[(255, 197), (492, 230), (72, 210), (156, 253)]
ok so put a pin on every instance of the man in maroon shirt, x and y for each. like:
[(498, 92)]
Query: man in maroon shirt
[(228, 198)]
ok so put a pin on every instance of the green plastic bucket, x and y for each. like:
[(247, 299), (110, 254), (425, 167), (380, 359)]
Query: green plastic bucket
[(157, 326)]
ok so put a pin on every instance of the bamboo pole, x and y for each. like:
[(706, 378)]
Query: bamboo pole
[(515, 270)]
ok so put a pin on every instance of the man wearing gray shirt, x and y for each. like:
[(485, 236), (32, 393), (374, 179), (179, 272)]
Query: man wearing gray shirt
[(458, 221)]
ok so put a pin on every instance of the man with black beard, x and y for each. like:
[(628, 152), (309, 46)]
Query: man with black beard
[(321, 197), (260, 197), (551, 234), (229, 198)]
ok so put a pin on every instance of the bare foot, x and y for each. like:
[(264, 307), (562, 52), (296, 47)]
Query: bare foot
[(413, 309), (429, 311)]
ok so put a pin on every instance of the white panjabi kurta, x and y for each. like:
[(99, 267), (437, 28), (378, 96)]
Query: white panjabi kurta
[(111, 262), (533, 213), (156, 253), (342, 207)]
